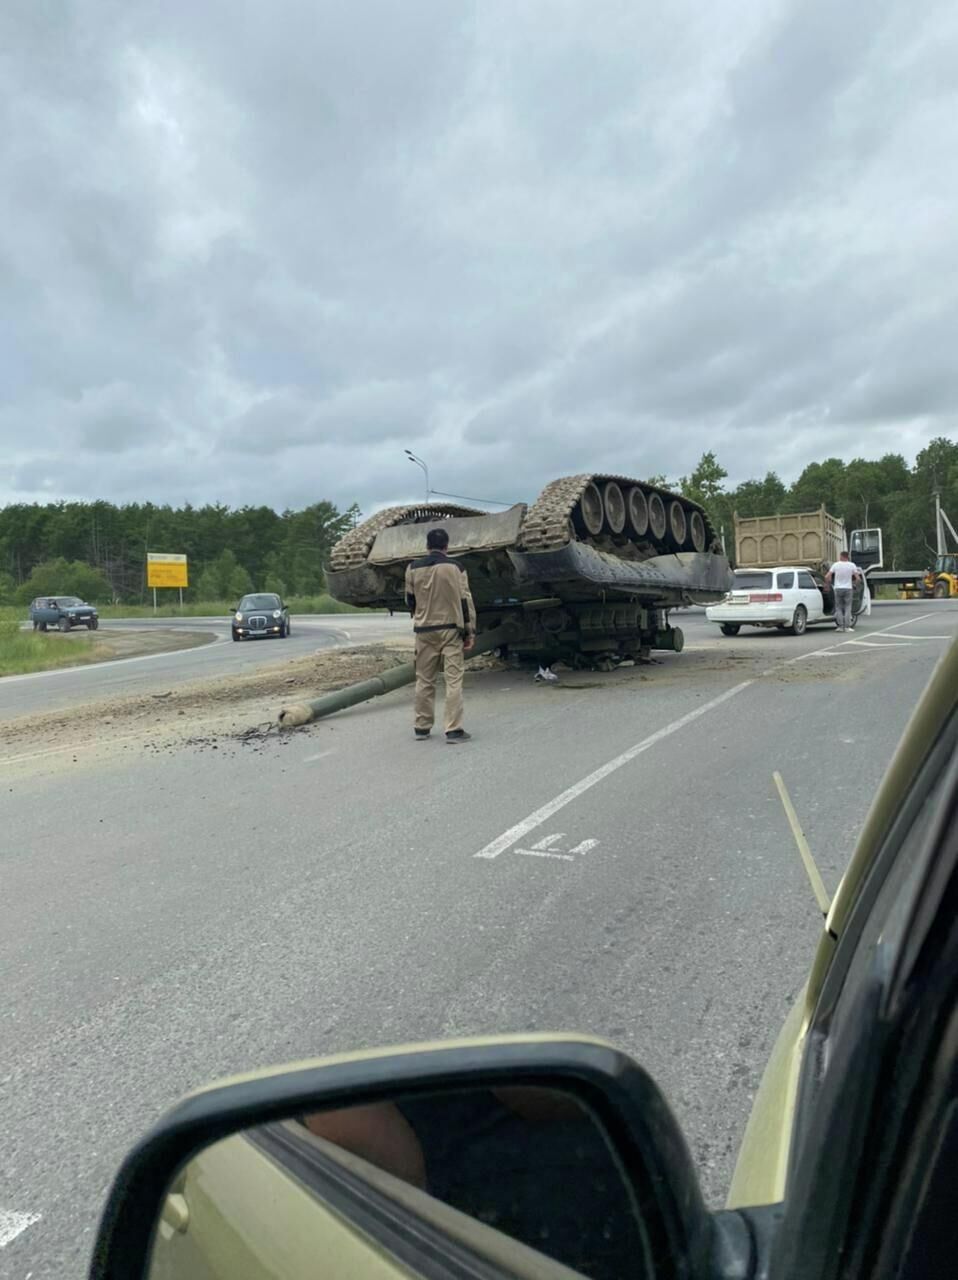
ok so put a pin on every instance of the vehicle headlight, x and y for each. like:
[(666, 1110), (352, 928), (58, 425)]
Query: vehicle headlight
[(277, 613), (239, 617)]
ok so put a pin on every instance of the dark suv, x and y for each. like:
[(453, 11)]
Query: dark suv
[(63, 612)]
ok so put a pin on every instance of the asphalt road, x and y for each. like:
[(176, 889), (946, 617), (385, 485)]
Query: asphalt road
[(170, 918), (54, 690)]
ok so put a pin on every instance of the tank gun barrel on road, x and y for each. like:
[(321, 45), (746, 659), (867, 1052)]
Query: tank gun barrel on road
[(365, 690)]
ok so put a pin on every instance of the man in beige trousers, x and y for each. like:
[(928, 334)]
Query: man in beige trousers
[(444, 620)]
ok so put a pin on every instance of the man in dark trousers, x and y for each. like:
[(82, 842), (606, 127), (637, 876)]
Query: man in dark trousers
[(444, 620)]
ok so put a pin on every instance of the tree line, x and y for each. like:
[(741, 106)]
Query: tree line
[(886, 493), (98, 550)]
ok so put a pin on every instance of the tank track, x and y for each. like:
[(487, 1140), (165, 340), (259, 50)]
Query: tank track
[(548, 525), (351, 551)]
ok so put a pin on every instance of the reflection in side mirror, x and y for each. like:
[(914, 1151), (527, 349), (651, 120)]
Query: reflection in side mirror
[(515, 1165), (538, 1157)]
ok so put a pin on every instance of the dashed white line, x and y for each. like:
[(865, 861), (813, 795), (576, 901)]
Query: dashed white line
[(13, 1224), (536, 819)]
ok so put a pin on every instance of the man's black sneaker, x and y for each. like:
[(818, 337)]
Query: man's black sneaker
[(421, 735), (458, 735)]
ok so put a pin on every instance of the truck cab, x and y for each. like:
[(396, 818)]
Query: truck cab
[(866, 550)]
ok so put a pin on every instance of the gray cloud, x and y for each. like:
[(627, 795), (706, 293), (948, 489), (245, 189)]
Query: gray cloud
[(252, 255)]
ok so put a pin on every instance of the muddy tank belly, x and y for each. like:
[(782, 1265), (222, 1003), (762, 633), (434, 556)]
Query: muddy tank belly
[(580, 574), (576, 574), (492, 580)]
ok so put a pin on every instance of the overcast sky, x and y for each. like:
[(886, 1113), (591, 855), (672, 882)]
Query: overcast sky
[(250, 252)]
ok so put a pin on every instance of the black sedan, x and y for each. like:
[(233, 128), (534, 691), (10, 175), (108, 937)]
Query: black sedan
[(262, 614)]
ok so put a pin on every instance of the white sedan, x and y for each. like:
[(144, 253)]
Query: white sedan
[(789, 598)]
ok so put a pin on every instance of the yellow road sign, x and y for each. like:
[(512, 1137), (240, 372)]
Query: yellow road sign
[(166, 571)]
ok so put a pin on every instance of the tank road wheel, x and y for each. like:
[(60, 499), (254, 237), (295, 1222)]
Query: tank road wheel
[(638, 509), (589, 512), (678, 525), (697, 529), (614, 504), (657, 521)]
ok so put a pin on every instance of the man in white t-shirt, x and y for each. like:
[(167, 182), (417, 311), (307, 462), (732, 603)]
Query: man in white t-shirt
[(842, 575)]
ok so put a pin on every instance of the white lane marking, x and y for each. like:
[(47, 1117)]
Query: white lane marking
[(320, 756), (113, 662), (544, 853), (837, 648), (13, 1224), (883, 644), (585, 846), (548, 842), (536, 819)]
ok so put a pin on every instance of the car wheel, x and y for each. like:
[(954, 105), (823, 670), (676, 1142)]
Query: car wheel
[(731, 628), (43, 626), (235, 636), (36, 626), (64, 624), (799, 621), (941, 591), (289, 629)]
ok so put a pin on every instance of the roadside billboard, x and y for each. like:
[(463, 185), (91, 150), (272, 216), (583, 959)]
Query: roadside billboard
[(166, 571)]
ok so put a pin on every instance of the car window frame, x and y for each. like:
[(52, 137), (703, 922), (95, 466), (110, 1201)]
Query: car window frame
[(844, 1047), (781, 586), (415, 1228)]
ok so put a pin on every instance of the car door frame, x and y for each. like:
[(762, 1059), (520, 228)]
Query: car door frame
[(851, 1133), (811, 597)]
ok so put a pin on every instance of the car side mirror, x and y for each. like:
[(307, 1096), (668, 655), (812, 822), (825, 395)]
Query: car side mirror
[(531, 1155)]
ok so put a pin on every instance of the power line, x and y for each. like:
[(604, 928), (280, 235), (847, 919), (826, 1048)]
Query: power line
[(490, 502)]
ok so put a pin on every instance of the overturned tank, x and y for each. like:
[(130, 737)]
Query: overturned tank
[(587, 573)]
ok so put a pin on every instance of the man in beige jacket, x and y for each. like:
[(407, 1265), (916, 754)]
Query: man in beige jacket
[(444, 620)]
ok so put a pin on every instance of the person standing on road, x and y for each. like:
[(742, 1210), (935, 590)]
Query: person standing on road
[(444, 622), (842, 575)]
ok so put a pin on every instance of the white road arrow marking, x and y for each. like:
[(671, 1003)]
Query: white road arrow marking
[(548, 842), (546, 848), (584, 847), (13, 1224)]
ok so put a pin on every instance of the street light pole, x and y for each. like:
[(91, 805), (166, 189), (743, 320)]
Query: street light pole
[(419, 463)]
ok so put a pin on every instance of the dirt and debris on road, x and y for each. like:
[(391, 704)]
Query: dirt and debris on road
[(240, 712), (239, 709)]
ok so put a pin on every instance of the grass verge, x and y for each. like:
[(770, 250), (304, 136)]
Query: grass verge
[(22, 652)]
